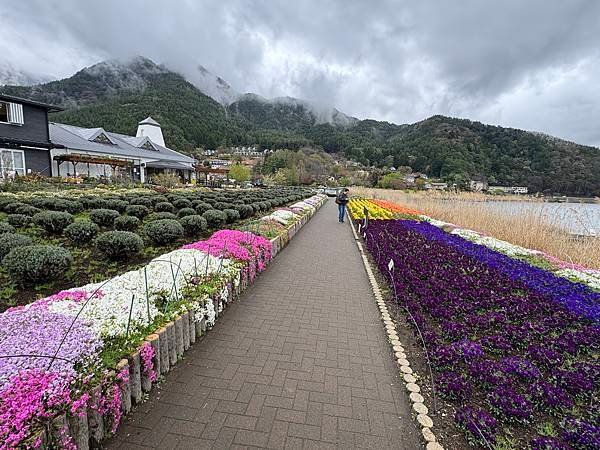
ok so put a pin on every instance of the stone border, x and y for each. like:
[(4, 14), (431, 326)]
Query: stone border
[(169, 343), (410, 381)]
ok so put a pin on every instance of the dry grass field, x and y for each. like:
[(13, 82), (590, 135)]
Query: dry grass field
[(532, 227)]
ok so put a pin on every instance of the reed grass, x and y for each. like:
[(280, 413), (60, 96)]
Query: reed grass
[(535, 228)]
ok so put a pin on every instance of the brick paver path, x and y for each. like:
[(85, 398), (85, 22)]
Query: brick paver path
[(299, 361)]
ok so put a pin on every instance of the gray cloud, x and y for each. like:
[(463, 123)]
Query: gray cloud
[(532, 65)]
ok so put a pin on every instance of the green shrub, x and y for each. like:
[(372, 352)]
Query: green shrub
[(119, 244), (11, 208), (182, 203), (142, 201), (193, 225), (53, 221), (214, 218), (202, 207), (164, 207), (6, 201), (37, 263), (160, 216), (159, 199), (81, 232), (27, 210), (139, 211), (127, 223), (165, 231), (19, 220), (6, 227), (8, 241), (58, 204), (104, 217), (245, 211), (222, 206), (117, 205), (232, 215), (186, 212)]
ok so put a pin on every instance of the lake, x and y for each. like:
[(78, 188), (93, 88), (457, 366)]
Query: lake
[(579, 218)]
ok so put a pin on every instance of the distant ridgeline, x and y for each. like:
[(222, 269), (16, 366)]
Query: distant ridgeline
[(115, 95)]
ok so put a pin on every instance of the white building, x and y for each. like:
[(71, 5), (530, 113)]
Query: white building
[(96, 152)]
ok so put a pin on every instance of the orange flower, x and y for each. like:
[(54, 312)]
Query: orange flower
[(396, 208)]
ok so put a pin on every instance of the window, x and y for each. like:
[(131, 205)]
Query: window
[(148, 146), (103, 139), (12, 162), (11, 113), (3, 112)]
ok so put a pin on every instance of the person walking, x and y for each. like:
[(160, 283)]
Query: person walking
[(342, 200)]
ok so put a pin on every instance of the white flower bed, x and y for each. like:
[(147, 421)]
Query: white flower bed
[(135, 292)]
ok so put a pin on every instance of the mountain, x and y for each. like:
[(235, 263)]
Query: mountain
[(116, 95), (214, 86), (11, 75)]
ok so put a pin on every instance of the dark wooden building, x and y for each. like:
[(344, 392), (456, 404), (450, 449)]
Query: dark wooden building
[(24, 137)]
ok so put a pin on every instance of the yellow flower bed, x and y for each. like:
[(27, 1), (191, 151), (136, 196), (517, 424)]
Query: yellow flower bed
[(357, 205)]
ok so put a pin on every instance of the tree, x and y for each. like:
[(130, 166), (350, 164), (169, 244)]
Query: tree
[(239, 173)]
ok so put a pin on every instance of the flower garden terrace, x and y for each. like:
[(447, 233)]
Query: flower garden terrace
[(51, 241), (512, 334), (63, 379)]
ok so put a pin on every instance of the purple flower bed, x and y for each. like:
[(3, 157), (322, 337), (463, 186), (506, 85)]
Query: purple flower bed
[(512, 347), (38, 334)]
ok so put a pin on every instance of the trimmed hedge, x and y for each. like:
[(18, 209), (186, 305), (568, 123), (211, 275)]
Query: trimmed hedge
[(81, 232), (164, 207), (119, 244), (193, 225), (165, 231), (232, 215), (37, 263), (139, 211), (53, 221), (127, 223), (214, 218), (6, 227), (202, 207), (104, 217), (8, 241), (186, 212), (160, 216), (19, 220), (27, 210)]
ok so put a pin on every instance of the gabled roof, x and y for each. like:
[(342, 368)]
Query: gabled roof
[(46, 106), (77, 138), (149, 121)]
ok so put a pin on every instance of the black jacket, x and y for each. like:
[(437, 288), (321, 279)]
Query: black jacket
[(342, 199)]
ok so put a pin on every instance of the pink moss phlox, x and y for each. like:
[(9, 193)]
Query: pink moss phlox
[(31, 396), (238, 245), (79, 406), (123, 376), (77, 295), (147, 355)]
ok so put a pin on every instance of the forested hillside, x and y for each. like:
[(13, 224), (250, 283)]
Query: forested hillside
[(117, 96)]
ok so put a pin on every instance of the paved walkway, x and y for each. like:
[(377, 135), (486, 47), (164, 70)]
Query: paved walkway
[(299, 361)]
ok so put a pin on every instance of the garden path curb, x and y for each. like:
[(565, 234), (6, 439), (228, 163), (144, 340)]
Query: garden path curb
[(419, 409)]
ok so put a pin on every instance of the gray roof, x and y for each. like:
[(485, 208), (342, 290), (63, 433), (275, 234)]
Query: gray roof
[(129, 147), (149, 121)]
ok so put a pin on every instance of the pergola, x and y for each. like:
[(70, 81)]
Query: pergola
[(209, 170), (75, 158)]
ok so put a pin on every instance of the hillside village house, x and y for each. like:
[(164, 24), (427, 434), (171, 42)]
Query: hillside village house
[(31, 144), (24, 137)]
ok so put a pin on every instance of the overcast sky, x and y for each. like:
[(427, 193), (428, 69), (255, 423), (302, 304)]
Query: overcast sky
[(530, 64)]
